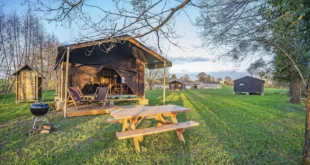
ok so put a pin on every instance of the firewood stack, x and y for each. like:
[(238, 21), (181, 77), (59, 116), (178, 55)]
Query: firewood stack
[(47, 128)]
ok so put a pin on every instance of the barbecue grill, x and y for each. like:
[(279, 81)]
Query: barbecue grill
[(39, 110)]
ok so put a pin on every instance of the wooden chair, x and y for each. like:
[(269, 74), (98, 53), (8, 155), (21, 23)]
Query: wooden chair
[(78, 90), (101, 96), (75, 95)]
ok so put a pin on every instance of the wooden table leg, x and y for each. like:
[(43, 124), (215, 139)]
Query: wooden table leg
[(161, 120), (159, 123), (133, 123), (125, 125), (136, 141), (180, 131)]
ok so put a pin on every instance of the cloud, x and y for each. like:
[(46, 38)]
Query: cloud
[(183, 71), (188, 59)]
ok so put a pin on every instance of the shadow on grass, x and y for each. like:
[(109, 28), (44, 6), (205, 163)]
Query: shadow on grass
[(85, 151), (20, 145)]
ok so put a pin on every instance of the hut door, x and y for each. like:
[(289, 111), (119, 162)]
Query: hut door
[(27, 86)]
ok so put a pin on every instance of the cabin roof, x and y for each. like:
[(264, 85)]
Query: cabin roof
[(186, 82), (26, 66), (152, 59), (249, 78)]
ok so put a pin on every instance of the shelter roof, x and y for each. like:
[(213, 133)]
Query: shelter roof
[(27, 67), (250, 78), (186, 82), (152, 59)]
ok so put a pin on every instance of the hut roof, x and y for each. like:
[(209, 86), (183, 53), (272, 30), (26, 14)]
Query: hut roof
[(27, 67), (186, 82), (250, 77), (150, 57)]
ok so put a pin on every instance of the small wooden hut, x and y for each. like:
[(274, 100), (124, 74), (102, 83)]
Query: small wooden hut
[(27, 84), (178, 85)]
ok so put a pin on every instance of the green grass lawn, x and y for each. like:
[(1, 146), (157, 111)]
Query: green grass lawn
[(234, 129)]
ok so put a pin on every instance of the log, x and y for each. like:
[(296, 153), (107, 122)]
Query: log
[(48, 127), (44, 131)]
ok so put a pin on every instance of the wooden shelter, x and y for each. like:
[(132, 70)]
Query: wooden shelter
[(117, 63), (249, 85), (27, 84), (178, 85)]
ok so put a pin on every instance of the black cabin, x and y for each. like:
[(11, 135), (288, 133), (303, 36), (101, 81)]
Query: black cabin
[(249, 85)]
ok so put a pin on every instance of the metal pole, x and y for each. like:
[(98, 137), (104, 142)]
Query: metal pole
[(164, 93), (66, 83)]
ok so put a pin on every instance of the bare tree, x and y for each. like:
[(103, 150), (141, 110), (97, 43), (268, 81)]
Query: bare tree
[(151, 75), (24, 41), (138, 18)]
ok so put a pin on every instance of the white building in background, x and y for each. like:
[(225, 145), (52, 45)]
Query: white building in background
[(160, 86), (206, 85)]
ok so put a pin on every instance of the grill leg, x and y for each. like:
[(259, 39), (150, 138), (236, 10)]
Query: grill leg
[(35, 123), (45, 119)]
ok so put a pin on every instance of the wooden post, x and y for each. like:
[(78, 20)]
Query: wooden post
[(164, 93), (66, 83), (37, 87), (16, 87), (143, 81), (61, 81)]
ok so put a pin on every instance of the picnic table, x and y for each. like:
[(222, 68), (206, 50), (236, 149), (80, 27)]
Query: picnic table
[(131, 117)]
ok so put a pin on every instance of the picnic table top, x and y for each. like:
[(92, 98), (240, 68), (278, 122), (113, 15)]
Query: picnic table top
[(141, 111)]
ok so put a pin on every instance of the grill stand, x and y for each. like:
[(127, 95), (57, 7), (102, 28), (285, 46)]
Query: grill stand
[(35, 121)]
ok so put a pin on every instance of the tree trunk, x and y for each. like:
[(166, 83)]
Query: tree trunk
[(306, 148), (295, 91)]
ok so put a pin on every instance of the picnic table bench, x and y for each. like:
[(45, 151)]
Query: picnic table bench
[(130, 118)]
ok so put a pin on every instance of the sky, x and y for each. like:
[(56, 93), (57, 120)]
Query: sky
[(192, 60)]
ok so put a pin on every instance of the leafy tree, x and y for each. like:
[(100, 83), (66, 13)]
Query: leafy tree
[(173, 76), (291, 32), (285, 72), (202, 76), (209, 79), (287, 44), (228, 80), (185, 77), (219, 79)]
